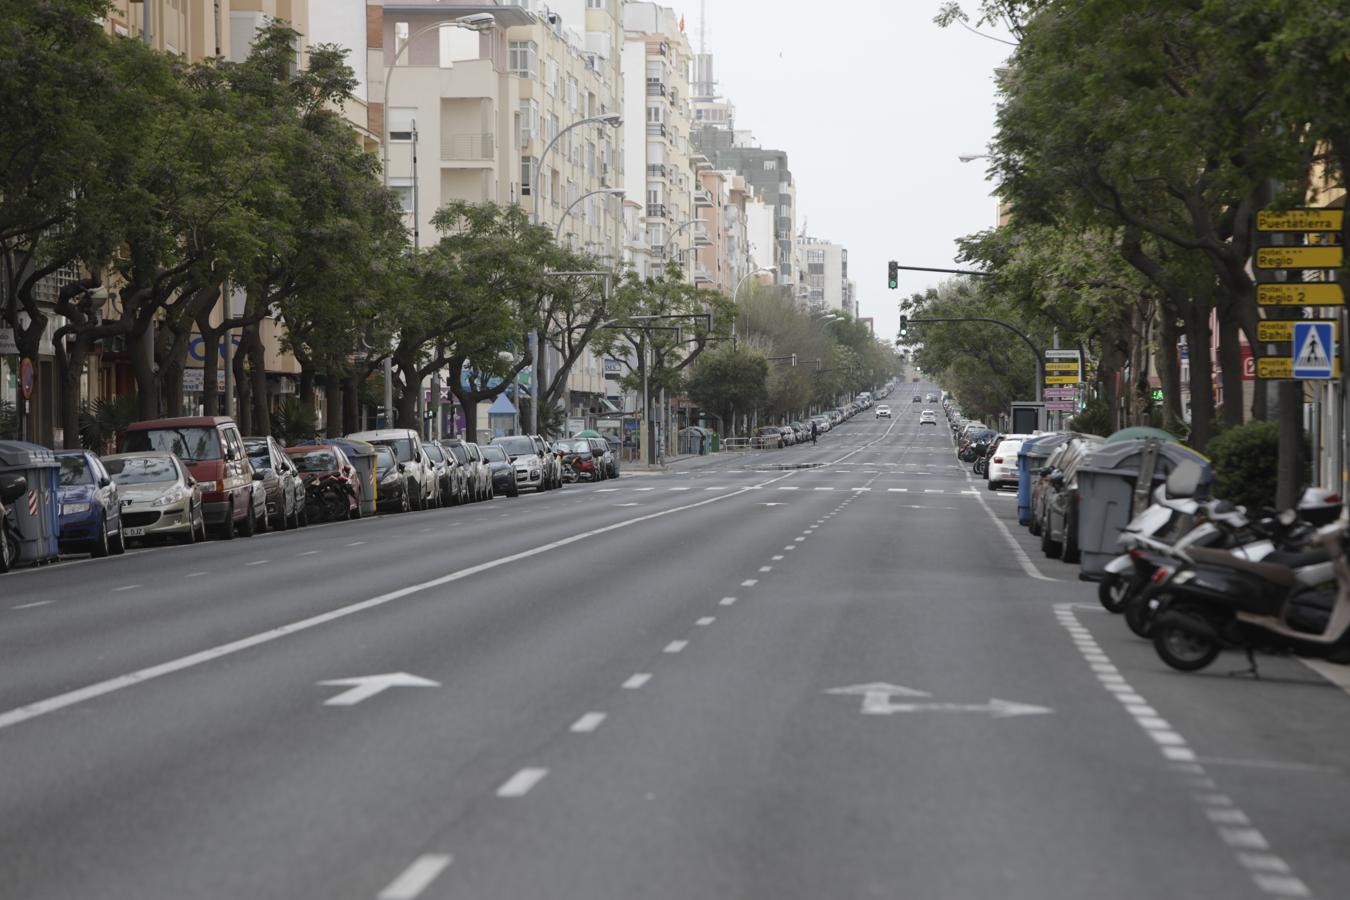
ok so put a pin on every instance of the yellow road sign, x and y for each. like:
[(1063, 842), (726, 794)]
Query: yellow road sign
[(1284, 331), (1300, 220), (1283, 367), (1299, 257), (1061, 367), (1062, 379), (1326, 293)]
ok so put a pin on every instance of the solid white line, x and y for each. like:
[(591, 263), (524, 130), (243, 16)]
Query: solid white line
[(31, 605), (705, 621), (637, 681), (520, 784), (588, 723), (675, 646), (416, 877), (140, 676)]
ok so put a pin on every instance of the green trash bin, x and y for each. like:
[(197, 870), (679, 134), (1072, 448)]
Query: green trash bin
[(716, 443)]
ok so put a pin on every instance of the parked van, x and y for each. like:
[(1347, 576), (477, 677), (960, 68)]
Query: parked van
[(213, 451)]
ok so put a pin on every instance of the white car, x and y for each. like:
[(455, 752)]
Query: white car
[(883, 411), (1003, 463), (928, 417)]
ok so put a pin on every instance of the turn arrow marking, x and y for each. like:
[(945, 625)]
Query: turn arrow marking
[(877, 702), (366, 686)]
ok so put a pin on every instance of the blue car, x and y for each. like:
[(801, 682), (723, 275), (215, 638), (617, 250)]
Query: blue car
[(91, 516)]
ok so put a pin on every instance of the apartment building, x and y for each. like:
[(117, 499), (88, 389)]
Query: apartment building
[(203, 29), (824, 281), (656, 67)]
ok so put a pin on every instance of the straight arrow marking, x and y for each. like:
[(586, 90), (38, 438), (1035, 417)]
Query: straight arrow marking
[(367, 686)]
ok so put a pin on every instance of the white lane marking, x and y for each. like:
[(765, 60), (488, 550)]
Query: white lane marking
[(258, 562), (310, 553), (727, 601), (416, 878), (716, 487), (675, 646), (766, 568), (898, 490), (521, 783), (587, 723), (125, 587), (750, 582), (640, 490), (789, 488), (141, 676), (822, 489), (31, 605), (636, 681), (356, 543), (679, 489), (1270, 873), (776, 558), (625, 504), (861, 490), (606, 490), (790, 547), (933, 491), (196, 574), (1018, 553), (799, 539), (705, 621)]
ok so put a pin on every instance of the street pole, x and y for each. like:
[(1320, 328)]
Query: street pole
[(646, 447)]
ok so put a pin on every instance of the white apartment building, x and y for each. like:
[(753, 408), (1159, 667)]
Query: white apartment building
[(824, 281), (656, 66)]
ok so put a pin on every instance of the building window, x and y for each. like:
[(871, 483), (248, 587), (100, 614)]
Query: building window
[(401, 124), (571, 93), (524, 59), (400, 37), (770, 165), (596, 4), (551, 80), (529, 120), (402, 188), (526, 174), (655, 114)]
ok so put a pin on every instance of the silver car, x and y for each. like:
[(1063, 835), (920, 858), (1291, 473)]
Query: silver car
[(160, 498)]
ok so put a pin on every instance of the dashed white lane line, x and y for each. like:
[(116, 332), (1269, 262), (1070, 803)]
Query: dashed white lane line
[(258, 562), (1269, 872), (799, 539), (640, 490), (199, 574), (679, 489), (727, 601), (32, 605), (125, 587), (750, 582), (521, 783), (356, 543), (776, 558), (705, 621), (587, 723), (310, 553), (606, 490), (636, 681), (788, 488), (766, 568), (416, 878), (822, 489), (675, 646)]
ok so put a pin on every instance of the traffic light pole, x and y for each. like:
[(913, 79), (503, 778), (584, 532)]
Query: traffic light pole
[(1036, 353)]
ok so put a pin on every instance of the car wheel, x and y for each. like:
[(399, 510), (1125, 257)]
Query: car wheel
[(1050, 548), (190, 536), (100, 548), (227, 528), (201, 525), (1071, 553), (250, 526), (9, 551), (118, 545)]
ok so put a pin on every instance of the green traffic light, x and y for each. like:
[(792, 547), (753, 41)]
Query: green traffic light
[(893, 285)]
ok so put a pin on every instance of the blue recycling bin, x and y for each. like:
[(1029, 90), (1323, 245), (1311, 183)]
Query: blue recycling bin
[(1030, 457), (38, 512)]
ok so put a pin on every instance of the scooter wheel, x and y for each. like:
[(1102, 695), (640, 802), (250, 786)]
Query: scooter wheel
[(1183, 650), (1137, 615), (1113, 591)]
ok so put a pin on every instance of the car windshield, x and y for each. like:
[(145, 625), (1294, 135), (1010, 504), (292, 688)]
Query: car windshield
[(315, 461), (434, 453), (493, 453), (191, 445), (384, 457), (515, 446), (402, 447), (74, 471), (141, 470), (258, 454), (459, 452), (573, 446)]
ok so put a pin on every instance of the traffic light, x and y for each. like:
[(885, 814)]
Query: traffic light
[(893, 275), (904, 327)]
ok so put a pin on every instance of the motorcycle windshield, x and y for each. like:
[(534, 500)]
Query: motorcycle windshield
[(1149, 521)]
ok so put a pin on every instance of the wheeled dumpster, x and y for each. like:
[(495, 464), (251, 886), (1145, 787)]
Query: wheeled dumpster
[(362, 456), (1114, 484), (1035, 451), (38, 512)]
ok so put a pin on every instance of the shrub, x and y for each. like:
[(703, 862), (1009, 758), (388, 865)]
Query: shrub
[(1245, 464), (103, 421), (293, 421), (1094, 419)]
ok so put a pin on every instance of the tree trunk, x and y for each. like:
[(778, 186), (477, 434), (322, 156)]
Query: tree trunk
[(332, 406), (1169, 369), (243, 387), (69, 371), (257, 358), (1230, 365), (470, 421), (351, 403), (1202, 381), (142, 368)]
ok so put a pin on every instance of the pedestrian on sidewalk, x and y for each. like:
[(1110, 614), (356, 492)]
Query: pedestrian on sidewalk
[(814, 428)]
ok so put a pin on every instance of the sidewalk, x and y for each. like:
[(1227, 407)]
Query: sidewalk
[(640, 468)]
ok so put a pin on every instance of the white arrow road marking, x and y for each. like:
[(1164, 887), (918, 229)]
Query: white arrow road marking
[(878, 694), (367, 686), (877, 702)]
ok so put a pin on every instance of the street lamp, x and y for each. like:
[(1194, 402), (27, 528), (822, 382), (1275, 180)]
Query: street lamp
[(614, 120), (735, 294), (473, 22), (613, 192), (971, 157)]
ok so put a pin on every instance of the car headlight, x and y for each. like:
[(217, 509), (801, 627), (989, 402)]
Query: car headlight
[(169, 498), (209, 487), (73, 509), (390, 478)]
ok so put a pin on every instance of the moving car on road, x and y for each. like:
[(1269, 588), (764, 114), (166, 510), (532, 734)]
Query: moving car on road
[(928, 417), (160, 498), (91, 512), (883, 411)]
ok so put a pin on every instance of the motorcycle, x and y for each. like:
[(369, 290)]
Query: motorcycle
[(12, 487), (980, 451), (569, 469), (329, 496)]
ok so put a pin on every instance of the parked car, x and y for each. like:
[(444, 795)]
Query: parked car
[(213, 451), (413, 470), (789, 436), (883, 411), (450, 475), (394, 489), (431, 489), (1002, 469), (501, 470), (159, 496), (477, 473), (317, 462), (283, 488), (531, 468), (91, 513), (822, 423), (1059, 524), (766, 438), (606, 454), (552, 463)]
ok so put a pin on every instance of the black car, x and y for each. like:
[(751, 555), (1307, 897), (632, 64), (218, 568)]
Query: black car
[(503, 472), (391, 491)]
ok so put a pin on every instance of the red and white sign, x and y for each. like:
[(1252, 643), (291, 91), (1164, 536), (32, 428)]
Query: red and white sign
[(26, 376), (1248, 364), (1061, 405), (32, 503)]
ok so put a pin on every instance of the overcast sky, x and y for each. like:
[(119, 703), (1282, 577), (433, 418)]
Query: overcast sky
[(872, 104)]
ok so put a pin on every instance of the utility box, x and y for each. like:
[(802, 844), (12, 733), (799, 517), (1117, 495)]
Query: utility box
[(1028, 417), (38, 512)]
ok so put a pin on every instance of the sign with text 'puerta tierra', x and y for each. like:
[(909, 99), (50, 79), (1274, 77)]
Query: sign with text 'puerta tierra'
[(1063, 367)]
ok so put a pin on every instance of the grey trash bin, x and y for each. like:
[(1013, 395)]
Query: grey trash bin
[(38, 512), (362, 456), (1107, 486)]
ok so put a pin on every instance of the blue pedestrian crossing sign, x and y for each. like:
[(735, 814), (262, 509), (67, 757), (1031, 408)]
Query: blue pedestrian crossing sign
[(1313, 342)]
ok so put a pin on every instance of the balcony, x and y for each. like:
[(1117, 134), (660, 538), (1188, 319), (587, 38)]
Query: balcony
[(702, 275), (656, 129), (656, 210), (657, 170), (655, 88), (703, 198), (701, 236), (456, 147)]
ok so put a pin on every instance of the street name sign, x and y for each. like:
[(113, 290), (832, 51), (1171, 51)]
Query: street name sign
[(1325, 293), (1061, 405), (1282, 368), (1300, 220), (1324, 257), (1313, 342), (1063, 367), (1271, 331)]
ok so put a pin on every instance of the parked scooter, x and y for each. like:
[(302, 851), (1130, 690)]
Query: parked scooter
[(1289, 602), (12, 487), (329, 497)]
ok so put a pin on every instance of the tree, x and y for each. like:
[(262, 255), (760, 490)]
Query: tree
[(726, 379)]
